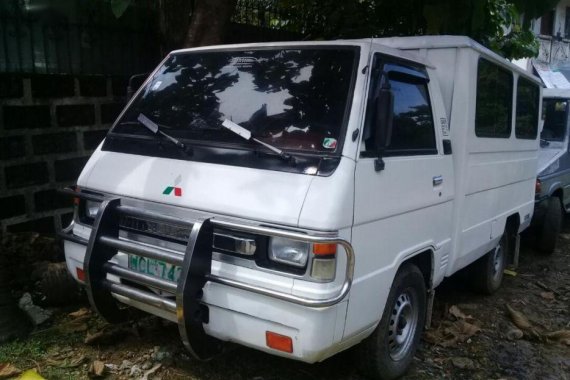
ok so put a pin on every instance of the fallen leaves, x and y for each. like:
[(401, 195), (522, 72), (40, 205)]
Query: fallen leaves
[(80, 313), (71, 363), (457, 313), (562, 336), (109, 335), (8, 370), (519, 319), (151, 371), (450, 333), (96, 369), (463, 363), (548, 296)]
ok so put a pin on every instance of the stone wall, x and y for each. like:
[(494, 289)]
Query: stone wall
[(49, 125)]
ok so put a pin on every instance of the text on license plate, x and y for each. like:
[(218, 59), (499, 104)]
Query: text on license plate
[(154, 268)]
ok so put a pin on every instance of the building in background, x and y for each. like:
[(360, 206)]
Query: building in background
[(553, 61)]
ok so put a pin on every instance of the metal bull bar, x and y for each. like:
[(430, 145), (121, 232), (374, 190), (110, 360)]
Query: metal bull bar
[(184, 297)]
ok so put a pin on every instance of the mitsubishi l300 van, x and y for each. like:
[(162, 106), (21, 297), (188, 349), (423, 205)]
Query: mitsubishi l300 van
[(300, 198)]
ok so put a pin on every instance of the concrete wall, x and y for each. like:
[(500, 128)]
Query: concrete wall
[(49, 125)]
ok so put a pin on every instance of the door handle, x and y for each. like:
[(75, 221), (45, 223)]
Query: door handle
[(437, 180)]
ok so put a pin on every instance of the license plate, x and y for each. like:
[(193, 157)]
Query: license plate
[(154, 268)]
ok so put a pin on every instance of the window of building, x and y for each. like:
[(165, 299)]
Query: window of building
[(413, 127), (493, 109), (528, 99), (567, 23), (547, 23)]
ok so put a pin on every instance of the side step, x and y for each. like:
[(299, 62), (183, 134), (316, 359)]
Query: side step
[(185, 296)]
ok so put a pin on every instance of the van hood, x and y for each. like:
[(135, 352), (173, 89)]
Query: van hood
[(548, 155), (257, 194)]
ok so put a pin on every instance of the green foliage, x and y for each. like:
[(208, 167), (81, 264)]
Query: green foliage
[(498, 24), (505, 33), (119, 7), (14, 351)]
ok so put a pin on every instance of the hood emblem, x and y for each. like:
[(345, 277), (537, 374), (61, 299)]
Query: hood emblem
[(177, 190)]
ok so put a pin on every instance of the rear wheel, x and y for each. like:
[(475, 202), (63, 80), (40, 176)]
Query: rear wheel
[(388, 352), (487, 273), (547, 233)]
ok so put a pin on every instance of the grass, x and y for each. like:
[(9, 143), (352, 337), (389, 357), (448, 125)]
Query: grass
[(32, 352), (18, 351)]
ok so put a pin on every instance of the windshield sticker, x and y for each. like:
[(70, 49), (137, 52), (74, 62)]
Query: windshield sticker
[(444, 127), (245, 62), (156, 85), (329, 143)]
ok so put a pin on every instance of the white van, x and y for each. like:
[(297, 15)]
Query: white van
[(302, 197)]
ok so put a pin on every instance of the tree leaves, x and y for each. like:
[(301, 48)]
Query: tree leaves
[(118, 7), (497, 24)]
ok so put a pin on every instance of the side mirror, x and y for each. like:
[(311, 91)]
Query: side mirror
[(383, 123), (135, 82)]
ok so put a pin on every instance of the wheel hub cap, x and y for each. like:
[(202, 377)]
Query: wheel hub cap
[(497, 262)]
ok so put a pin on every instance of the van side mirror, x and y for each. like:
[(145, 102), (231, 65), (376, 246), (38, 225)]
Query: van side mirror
[(383, 123), (135, 82)]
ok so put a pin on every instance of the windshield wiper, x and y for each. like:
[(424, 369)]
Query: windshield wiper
[(155, 128), (244, 133), (544, 142)]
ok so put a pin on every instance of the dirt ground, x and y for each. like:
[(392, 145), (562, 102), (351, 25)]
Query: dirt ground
[(472, 337)]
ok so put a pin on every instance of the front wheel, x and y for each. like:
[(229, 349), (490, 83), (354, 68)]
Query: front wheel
[(388, 352)]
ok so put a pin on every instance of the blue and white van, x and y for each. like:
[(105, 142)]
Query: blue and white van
[(553, 180)]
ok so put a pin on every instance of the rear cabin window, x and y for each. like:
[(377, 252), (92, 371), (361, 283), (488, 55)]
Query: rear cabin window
[(413, 127), (528, 99), (494, 101)]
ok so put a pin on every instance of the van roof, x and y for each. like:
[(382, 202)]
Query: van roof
[(556, 93), (446, 42)]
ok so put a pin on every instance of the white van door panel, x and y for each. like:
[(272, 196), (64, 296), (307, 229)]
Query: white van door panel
[(402, 210)]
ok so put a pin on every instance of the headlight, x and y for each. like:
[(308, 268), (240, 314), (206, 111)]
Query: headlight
[(91, 208), (290, 252)]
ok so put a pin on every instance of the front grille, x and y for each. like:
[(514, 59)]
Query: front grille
[(160, 229)]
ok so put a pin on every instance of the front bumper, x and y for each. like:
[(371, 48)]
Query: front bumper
[(205, 303)]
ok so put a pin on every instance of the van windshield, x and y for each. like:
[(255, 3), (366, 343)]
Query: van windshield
[(555, 115), (295, 99)]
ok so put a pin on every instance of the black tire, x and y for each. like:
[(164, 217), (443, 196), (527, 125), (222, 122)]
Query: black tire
[(547, 232), (381, 356), (57, 287), (487, 273)]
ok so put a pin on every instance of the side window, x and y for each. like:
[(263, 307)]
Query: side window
[(528, 99), (494, 105), (413, 127)]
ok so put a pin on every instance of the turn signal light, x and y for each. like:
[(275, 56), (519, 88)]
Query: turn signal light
[(538, 187), (322, 249), (279, 342), (80, 274), (76, 199)]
